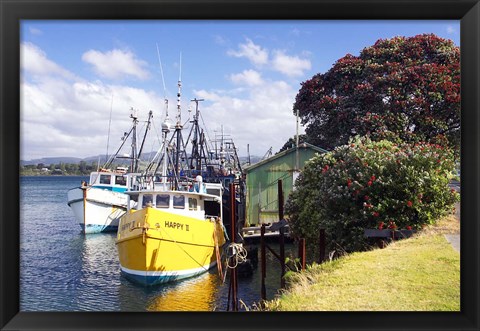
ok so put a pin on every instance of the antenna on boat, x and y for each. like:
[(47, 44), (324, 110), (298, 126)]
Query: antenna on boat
[(109, 123), (178, 127), (179, 93), (163, 81)]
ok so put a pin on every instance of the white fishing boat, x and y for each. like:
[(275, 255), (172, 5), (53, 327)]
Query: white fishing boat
[(99, 204)]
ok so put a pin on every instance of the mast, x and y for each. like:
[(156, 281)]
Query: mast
[(165, 131), (178, 126), (196, 155), (108, 163), (134, 140), (137, 157)]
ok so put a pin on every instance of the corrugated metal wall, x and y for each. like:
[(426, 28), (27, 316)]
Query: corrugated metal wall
[(262, 181)]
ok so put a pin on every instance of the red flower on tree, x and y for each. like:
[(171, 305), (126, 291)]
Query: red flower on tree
[(392, 225), (409, 203)]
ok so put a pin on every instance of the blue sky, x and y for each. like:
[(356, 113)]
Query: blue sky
[(74, 74)]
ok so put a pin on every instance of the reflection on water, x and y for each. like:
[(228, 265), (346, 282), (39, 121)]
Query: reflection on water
[(196, 294), (63, 270)]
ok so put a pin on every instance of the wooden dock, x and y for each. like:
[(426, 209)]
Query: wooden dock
[(253, 233)]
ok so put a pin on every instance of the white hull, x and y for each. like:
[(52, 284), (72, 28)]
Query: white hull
[(99, 211)]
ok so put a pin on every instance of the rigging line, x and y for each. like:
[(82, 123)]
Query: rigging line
[(154, 141), (206, 131), (161, 229), (109, 124), (161, 71)]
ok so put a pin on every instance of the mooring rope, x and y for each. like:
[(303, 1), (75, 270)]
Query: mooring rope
[(237, 254)]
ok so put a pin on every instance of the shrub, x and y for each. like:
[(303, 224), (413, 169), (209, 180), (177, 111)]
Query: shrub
[(369, 184)]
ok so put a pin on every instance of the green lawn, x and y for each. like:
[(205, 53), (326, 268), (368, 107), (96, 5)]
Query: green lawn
[(417, 274)]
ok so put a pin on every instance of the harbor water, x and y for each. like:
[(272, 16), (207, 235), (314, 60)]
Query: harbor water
[(61, 269)]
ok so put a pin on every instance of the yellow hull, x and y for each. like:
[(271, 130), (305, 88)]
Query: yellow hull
[(156, 246)]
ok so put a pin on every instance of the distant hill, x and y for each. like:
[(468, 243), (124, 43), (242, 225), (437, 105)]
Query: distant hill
[(75, 160), (51, 160)]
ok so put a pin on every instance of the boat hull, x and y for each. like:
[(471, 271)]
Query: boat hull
[(97, 210), (157, 247)]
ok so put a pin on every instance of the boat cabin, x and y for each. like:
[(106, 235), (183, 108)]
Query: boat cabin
[(116, 181), (193, 204)]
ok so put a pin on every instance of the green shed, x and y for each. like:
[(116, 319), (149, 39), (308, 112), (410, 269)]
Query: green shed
[(262, 182)]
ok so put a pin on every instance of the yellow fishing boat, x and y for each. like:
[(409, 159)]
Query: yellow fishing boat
[(172, 236)]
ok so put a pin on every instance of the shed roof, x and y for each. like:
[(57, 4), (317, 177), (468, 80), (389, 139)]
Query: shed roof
[(283, 153)]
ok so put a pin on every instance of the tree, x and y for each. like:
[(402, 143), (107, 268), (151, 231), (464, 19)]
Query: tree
[(83, 167), (400, 89), (291, 142), (368, 184)]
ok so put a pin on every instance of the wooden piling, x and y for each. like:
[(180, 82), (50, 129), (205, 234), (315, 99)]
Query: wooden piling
[(282, 257), (264, 264), (280, 200), (282, 233), (233, 272), (321, 245), (302, 252)]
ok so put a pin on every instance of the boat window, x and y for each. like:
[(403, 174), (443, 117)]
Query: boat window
[(179, 201), (120, 180), (147, 200), (105, 179), (192, 204), (134, 197), (163, 200), (213, 191)]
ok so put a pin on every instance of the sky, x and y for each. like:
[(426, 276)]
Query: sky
[(80, 80)]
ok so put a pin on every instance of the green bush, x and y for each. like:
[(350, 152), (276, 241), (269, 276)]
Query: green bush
[(369, 184)]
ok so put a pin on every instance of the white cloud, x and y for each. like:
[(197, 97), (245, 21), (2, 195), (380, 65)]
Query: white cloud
[(295, 32), (255, 53), (36, 32), (34, 61), (259, 56), (451, 29), (262, 118), (290, 65), (116, 64), (247, 77), (219, 40), (63, 115)]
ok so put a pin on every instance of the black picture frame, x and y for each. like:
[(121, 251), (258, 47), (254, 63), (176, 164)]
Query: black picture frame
[(13, 11)]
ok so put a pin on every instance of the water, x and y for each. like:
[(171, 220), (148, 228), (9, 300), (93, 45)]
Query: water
[(63, 270)]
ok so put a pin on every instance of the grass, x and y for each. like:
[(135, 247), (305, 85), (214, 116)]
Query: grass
[(421, 273)]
